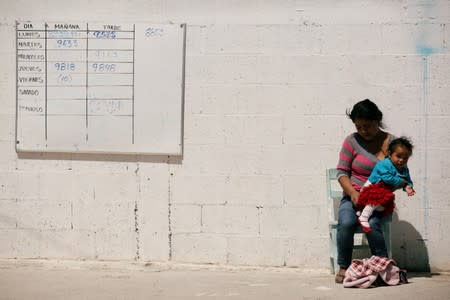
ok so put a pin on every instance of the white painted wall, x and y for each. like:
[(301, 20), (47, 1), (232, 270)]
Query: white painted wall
[(267, 86)]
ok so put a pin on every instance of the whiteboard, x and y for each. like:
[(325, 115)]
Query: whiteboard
[(91, 87)]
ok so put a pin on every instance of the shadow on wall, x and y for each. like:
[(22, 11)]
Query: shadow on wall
[(409, 248)]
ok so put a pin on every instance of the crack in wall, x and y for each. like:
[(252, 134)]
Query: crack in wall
[(136, 230), (169, 208), (136, 217)]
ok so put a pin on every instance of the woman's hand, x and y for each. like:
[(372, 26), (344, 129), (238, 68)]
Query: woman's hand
[(354, 196), (346, 185)]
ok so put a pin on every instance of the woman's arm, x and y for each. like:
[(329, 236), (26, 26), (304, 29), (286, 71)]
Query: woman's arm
[(348, 188), (346, 156)]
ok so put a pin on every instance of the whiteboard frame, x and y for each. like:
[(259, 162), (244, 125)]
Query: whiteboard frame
[(117, 149)]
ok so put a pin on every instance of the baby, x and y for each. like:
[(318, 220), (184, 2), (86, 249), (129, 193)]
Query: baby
[(388, 175)]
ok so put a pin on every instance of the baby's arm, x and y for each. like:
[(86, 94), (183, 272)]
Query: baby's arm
[(386, 172), (409, 184)]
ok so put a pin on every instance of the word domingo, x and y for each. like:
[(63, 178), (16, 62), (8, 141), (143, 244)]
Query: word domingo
[(31, 108), (104, 67)]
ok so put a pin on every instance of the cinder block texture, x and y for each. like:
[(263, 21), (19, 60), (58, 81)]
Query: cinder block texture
[(267, 87)]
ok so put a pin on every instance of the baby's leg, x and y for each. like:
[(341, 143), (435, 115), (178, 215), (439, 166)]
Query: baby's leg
[(365, 215)]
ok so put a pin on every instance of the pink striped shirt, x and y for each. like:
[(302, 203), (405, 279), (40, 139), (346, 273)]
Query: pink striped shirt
[(355, 161)]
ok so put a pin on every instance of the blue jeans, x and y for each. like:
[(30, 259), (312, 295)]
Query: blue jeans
[(347, 225)]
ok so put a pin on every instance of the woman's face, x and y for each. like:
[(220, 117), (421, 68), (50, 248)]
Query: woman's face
[(367, 129)]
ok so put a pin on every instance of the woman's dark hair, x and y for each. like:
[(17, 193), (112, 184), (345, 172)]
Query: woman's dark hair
[(401, 141), (367, 110)]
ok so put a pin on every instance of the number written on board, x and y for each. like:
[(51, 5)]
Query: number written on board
[(67, 43), (152, 31), (104, 67), (63, 66), (105, 34)]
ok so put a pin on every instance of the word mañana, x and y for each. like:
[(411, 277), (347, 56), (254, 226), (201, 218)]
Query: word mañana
[(66, 26)]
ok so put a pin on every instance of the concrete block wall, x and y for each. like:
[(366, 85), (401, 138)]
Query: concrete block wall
[(267, 87)]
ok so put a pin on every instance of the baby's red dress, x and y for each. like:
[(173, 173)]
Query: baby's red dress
[(378, 194)]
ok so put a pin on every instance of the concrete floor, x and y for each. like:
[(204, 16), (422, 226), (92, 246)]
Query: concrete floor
[(48, 279)]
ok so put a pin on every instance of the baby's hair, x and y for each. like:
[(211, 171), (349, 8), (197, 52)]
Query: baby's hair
[(401, 141)]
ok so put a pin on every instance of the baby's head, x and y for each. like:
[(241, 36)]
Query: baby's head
[(400, 150)]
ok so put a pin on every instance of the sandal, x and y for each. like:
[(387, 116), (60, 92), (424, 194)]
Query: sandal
[(340, 276)]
